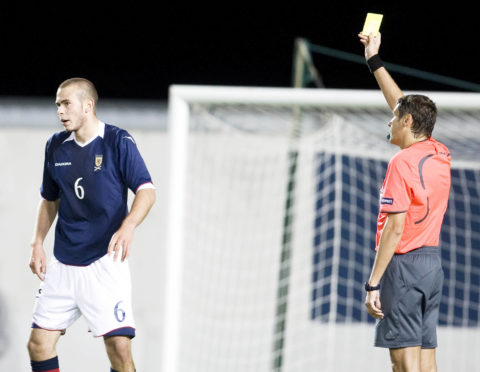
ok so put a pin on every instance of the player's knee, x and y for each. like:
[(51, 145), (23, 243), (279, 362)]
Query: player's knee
[(39, 350), (119, 348)]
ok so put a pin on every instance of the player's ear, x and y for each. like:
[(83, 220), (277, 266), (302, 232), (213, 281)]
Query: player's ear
[(89, 105)]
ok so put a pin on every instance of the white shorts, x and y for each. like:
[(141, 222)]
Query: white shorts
[(101, 292)]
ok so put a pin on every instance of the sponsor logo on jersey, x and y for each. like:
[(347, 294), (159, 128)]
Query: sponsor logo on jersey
[(63, 164), (388, 201), (98, 163)]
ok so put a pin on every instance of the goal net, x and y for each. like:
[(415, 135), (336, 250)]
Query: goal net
[(272, 219)]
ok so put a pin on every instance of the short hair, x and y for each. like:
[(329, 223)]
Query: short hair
[(423, 111), (88, 88)]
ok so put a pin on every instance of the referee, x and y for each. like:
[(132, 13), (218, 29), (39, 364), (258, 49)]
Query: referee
[(405, 284)]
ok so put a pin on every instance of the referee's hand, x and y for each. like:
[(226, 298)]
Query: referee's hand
[(372, 302), (371, 44)]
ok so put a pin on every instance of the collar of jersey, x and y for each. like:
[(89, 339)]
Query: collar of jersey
[(101, 132)]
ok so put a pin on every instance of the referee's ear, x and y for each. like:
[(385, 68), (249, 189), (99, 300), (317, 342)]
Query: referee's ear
[(407, 120)]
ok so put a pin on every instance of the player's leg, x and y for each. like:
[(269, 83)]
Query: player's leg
[(106, 305), (55, 310), (406, 359), (428, 360), (119, 352), (42, 350)]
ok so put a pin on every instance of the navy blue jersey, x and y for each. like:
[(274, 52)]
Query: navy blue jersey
[(92, 183)]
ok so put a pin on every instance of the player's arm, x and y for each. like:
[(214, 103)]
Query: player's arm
[(389, 88), (122, 239), (389, 240), (46, 213)]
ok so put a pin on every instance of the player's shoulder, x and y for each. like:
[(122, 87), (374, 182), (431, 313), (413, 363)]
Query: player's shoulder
[(113, 130), (57, 139), (117, 134), (60, 136)]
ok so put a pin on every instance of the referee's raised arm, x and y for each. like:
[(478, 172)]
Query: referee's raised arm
[(389, 88)]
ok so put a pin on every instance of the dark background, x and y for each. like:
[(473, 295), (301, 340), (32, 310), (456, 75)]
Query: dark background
[(136, 51)]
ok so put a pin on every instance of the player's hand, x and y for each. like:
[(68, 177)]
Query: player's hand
[(38, 262), (121, 241), (371, 43), (372, 302)]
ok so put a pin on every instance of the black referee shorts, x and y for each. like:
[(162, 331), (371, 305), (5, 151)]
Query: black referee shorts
[(410, 294)]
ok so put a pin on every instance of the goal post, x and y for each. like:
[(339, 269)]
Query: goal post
[(179, 114), (253, 168)]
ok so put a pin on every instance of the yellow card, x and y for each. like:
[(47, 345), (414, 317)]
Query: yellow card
[(372, 24)]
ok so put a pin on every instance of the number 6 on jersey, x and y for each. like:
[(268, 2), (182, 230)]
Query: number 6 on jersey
[(79, 190)]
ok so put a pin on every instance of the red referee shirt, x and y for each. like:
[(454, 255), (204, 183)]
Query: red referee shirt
[(418, 183)]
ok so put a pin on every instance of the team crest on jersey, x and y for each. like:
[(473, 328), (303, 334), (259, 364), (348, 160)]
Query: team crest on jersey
[(98, 163)]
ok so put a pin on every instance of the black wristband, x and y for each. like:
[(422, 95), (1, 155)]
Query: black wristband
[(369, 288), (374, 63)]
